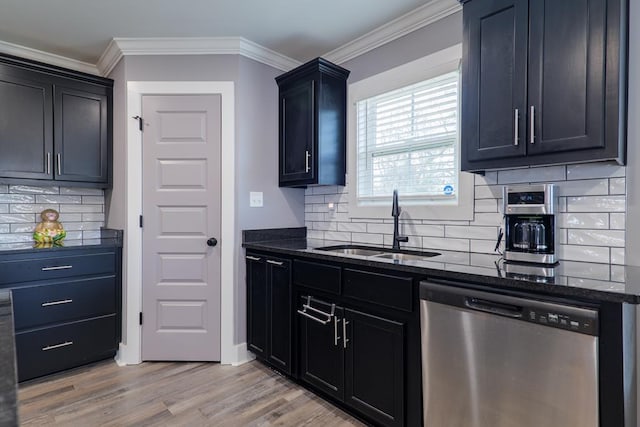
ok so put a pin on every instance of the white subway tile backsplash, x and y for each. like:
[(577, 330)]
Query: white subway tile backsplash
[(28, 189), (374, 239), (587, 187), (617, 256), (593, 254), (617, 221), (485, 233), (56, 198), (591, 221), (583, 220), (81, 211), (32, 208), (595, 170), (356, 227), (617, 186), (17, 198), (596, 204), (537, 174), (587, 270), (315, 234), (611, 238), (617, 273)]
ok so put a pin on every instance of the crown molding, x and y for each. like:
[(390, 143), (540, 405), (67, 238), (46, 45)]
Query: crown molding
[(47, 58), (431, 12), (119, 47)]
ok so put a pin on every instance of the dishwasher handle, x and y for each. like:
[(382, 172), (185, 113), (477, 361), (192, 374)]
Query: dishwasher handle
[(494, 307)]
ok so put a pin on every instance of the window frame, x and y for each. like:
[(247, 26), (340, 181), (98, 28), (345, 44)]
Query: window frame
[(433, 65)]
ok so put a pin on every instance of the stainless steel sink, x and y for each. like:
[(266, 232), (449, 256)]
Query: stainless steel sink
[(383, 253), (353, 250), (400, 256)]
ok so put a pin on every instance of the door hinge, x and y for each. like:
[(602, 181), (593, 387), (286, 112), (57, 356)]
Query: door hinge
[(141, 318), (141, 221), (140, 122)]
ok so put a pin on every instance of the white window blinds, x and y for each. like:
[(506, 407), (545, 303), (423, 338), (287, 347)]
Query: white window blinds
[(407, 140)]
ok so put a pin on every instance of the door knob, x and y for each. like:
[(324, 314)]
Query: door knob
[(212, 241)]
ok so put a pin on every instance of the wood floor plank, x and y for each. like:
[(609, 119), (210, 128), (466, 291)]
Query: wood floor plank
[(174, 394)]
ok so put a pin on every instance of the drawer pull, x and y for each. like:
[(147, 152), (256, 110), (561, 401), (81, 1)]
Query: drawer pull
[(58, 267), (51, 347), (64, 301), (307, 307), (274, 262), (253, 258)]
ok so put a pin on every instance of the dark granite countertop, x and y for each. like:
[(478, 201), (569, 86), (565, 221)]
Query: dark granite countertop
[(109, 238), (8, 403), (592, 281)]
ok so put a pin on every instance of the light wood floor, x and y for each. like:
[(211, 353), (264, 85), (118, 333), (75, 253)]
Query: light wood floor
[(173, 394)]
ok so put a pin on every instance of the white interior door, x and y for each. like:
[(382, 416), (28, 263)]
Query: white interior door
[(181, 211)]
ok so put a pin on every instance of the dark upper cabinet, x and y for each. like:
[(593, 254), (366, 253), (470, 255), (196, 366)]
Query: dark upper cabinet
[(55, 125), (81, 134), (543, 82), (269, 309), (26, 126), (312, 125)]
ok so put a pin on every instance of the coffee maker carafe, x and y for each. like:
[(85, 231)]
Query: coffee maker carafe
[(529, 216)]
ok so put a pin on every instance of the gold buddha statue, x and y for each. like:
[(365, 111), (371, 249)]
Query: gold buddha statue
[(49, 231)]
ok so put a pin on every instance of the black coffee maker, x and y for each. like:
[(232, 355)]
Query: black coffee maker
[(529, 217)]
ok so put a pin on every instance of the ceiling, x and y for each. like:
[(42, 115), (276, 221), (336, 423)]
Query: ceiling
[(299, 29)]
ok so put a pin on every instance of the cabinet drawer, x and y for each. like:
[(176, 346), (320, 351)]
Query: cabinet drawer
[(384, 289), (28, 269), (317, 276), (61, 347), (63, 302)]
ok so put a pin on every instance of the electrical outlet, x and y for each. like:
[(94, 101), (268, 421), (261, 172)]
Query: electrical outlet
[(255, 199)]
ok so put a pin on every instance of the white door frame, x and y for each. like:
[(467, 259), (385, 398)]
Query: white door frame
[(130, 353)]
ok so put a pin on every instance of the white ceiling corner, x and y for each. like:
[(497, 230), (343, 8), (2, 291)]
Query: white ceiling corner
[(120, 47), (401, 26), (48, 58)]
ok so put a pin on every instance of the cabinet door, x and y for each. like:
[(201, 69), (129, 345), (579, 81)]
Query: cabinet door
[(279, 313), (322, 354), (494, 82), (297, 132), (81, 135), (257, 305), (567, 60), (26, 126), (374, 359)]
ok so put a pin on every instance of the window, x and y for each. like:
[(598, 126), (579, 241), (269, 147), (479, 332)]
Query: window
[(407, 140), (403, 133)]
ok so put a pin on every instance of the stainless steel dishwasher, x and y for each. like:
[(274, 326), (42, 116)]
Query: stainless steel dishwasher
[(492, 360)]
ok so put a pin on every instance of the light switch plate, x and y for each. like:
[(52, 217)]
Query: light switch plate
[(255, 199)]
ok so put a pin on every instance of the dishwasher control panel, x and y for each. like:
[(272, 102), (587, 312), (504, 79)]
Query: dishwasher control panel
[(569, 321)]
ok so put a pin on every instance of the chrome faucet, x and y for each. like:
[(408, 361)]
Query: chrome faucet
[(395, 213)]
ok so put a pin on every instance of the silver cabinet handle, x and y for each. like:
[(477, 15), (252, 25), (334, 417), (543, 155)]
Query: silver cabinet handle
[(270, 261), (306, 161), (253, 258), (64, 301), (532, 126), (48, 163), (335, 331), (51, 347), (345, 340), (305, 314), (515, 123), (58, 267), (59, 162)]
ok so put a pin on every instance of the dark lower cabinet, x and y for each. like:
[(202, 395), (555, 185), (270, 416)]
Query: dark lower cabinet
[(354, 357), (66, 306), (269, 309), (374, 367)]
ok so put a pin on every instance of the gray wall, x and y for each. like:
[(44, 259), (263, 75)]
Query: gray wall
[(633, 135), (256, 139)]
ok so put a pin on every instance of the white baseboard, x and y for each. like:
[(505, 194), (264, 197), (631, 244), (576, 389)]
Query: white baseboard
[(239, 355), (125, 356)]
